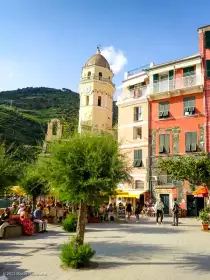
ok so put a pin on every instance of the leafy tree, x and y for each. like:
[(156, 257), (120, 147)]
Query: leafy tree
[(10, 168), (194, 170), (35, 181), (85, 166)]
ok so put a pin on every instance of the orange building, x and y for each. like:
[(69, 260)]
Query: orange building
[(179, 119)]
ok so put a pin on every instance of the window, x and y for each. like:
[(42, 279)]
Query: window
[(208, 69), (189, 106), (207, 39), (55, 128), (163, 110), (188, 71), (89, 74), (100, 75), (137, 133), (87, 100), (137, 114), (139, 184), (137, 162), (155, 78), (99, 101), (191, 141), (164, 143)]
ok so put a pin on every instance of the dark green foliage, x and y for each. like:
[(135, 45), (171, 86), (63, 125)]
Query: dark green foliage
[(76, 256), (70, 223), (87, 165), (194, 170), (19, 129), (43, 103), (10, 168), (34, 180)]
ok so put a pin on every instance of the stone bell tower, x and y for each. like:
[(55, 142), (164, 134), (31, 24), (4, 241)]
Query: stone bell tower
[(96, 94)]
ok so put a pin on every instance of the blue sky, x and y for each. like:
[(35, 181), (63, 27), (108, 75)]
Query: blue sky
[(46, 42)]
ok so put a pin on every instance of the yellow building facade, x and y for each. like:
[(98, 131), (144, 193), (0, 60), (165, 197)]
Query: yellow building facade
[(96, 91), (133, 132)]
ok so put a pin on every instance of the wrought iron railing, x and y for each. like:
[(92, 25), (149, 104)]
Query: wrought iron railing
[(175, 84), (138, 70)]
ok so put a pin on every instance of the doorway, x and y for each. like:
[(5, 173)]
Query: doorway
[(194, 205), (165, 200)]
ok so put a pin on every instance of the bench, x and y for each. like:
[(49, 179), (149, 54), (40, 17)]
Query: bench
[(13, 231)]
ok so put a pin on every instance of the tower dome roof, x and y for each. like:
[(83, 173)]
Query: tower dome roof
[(98, 59)]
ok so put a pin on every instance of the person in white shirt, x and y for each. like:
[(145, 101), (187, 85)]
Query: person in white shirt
[(159, 206)]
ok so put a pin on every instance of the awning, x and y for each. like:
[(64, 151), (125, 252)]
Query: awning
[(201, 192), (128, 194)]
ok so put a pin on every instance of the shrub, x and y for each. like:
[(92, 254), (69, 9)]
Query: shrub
[(76, 256), (70, 223), (204, 216)]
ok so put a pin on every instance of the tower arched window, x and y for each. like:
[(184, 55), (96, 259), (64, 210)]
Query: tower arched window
[(100, 75), (55, 129), (99, 101), (89, 74), (87, 100)]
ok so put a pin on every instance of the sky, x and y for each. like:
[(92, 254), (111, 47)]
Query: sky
[(46, 42)]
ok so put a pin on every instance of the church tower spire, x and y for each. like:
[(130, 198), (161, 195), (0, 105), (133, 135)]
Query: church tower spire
[(96, 91)]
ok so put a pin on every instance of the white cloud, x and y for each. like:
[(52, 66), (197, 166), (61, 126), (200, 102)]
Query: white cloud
[(116, 58)]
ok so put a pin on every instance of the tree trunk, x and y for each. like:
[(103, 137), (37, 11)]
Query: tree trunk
[(34, 203), (81, 222)]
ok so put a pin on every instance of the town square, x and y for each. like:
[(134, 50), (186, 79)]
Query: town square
[(111, 178)]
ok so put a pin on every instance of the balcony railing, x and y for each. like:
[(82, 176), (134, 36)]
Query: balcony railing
[(138, 70), (95, 77), (133, 94), (176, 84)]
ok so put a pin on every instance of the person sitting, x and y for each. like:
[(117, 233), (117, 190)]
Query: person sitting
[(39, 218), (21, 208), (4, 221), (14, 209), (25, 220)]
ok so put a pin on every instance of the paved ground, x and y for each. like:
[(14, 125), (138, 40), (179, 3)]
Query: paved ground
[(124, 252)]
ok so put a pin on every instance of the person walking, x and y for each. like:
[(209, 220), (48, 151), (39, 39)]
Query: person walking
[(129, 209), (159, 206), (137, 211), (175, 213)]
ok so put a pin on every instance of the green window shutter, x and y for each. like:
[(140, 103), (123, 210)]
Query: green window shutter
[(188, 141), (193, 141), (208, 69), (137, 158), (207, 39), (161, 143), (155, 78), (189, 105), (163, 109), (188, 71), (167, 143), (171, 74), (166, 109)]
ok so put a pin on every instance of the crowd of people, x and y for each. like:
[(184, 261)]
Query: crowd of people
[(23, 214)]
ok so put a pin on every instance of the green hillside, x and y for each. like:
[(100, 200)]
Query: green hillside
[(24, 113)]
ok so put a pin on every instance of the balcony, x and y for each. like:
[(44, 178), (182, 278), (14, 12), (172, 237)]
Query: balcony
[(138, 70), (162, 181), (135, 93), (182, 83), (98, 78)]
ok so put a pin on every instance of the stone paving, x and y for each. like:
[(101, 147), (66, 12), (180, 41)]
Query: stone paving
[(124, 252)]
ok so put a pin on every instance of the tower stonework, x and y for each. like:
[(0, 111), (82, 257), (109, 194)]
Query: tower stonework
[(96, 94), (54, 130)]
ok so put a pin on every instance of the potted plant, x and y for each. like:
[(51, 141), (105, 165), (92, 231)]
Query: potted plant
[(204, 217)]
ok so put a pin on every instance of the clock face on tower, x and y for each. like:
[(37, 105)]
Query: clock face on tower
[(86, 89)]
